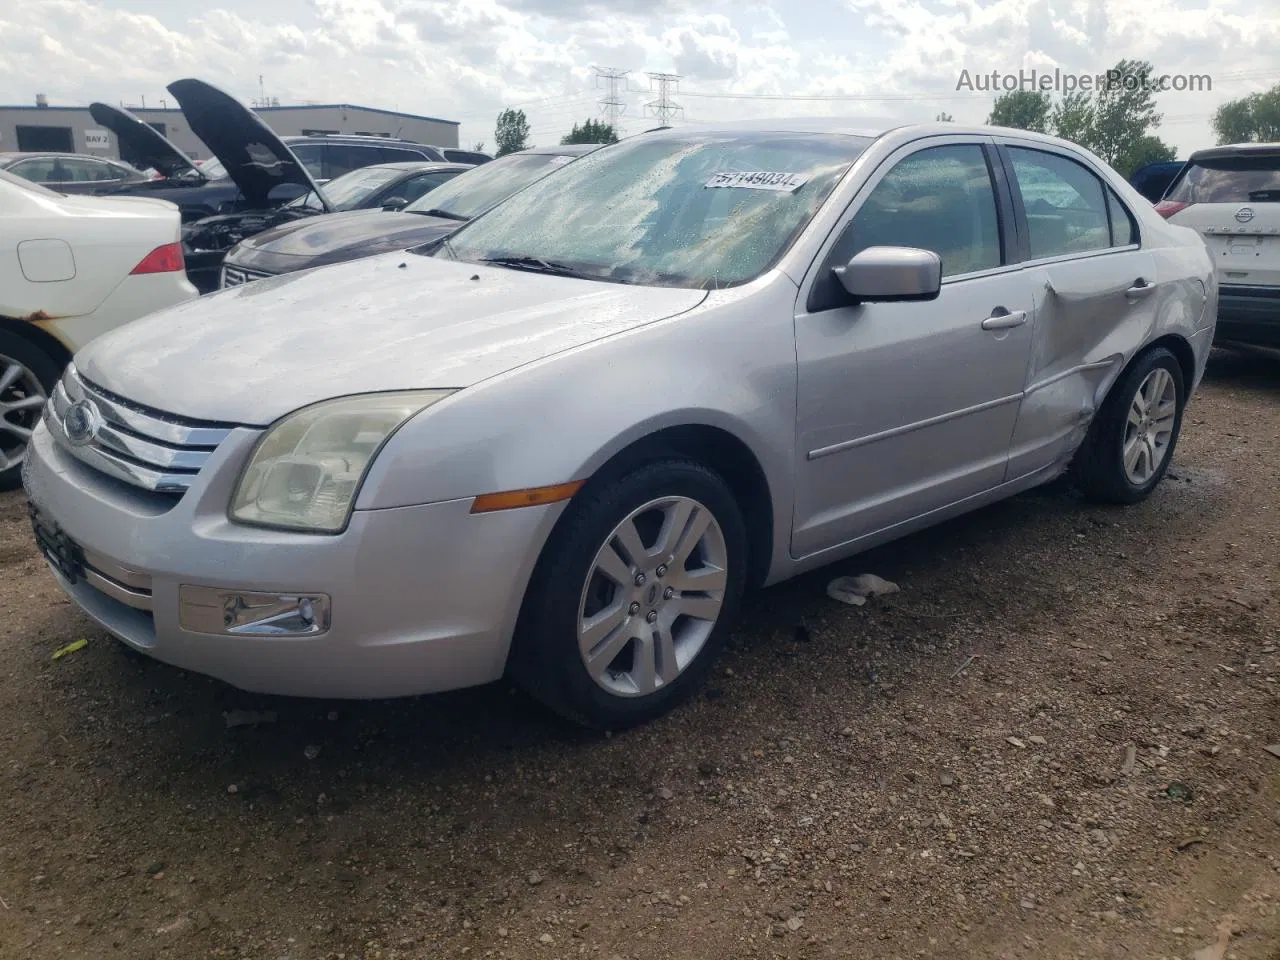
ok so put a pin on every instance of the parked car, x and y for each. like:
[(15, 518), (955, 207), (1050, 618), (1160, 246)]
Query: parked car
[(1153, 179), (386, 186), (558, 445), (349, 236), (332, 155), (1231, 196), (71, 268), (71, 172), (203, 188)]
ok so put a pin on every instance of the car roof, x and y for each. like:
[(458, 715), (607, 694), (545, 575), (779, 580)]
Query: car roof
[(425, 166), (562, 150), (28, 154), (872, 128), (356, 138), (1236, 150)]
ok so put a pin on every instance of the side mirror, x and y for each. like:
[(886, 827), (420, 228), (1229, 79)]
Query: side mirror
[(395, 203), (880, 274)]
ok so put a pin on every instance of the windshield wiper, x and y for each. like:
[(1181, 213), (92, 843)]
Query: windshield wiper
[(435, 212), (535, 265)]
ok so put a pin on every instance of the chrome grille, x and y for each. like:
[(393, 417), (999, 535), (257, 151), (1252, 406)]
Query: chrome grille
[(143, 447), (235, 276)]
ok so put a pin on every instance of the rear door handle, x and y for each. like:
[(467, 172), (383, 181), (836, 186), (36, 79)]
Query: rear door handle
[(1141, 288), (1002, 319)]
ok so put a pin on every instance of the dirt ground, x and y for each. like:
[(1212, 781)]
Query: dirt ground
[(1095, 784)]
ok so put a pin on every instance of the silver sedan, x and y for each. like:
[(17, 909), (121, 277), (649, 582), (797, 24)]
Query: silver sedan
[(560, 444)]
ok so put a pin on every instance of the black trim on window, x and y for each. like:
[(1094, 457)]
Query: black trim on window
[(1021, 225), (1011, 209), (1113, 200)]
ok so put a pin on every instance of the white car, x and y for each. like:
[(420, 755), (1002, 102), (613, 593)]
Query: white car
[(70, 269), (1230, 195)]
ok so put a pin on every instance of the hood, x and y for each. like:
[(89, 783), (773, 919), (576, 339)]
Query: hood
[(335, 237), (152, 148), (255, 158), (252, 353)]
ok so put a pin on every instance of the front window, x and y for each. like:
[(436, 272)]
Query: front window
[(348, 191), (687, 210), (474, 191)]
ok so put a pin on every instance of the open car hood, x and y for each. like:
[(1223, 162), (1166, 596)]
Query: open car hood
[(151, 147), (255, 158)]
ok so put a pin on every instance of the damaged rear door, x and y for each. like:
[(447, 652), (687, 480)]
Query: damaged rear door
[(1096, 295)]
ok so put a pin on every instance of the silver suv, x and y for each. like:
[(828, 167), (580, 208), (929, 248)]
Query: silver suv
[(560, 443), (1231, 196)]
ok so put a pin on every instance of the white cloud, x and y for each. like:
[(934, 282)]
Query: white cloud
[(468, 60)]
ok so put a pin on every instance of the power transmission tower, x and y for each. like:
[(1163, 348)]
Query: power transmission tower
[(664, 108), (612, 106)]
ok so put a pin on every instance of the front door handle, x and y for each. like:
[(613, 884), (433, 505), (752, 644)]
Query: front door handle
[(1002, 319), (1142, 287)]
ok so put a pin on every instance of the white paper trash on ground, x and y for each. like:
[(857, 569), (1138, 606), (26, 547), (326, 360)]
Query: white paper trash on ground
[(855, 590)]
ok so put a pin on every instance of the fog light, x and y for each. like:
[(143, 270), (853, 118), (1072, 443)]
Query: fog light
[(246, 613)]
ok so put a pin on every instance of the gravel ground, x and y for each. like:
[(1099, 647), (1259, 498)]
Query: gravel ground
[(1094, 784)]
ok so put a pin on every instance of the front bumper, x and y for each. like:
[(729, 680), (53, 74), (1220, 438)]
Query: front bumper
[(422, 599)]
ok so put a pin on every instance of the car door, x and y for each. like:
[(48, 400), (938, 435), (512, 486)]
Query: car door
[(1096, 295), (38, 170), (905, 408)]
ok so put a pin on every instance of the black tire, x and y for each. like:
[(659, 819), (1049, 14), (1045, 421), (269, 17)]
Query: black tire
[(545, 658), (14, 349), (1098, 469)]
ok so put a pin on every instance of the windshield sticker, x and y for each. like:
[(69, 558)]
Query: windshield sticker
[(559, 161), (760, 180)]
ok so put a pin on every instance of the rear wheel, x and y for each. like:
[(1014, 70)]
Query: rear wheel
[(633, 596), (27, 377), (1131, 441)]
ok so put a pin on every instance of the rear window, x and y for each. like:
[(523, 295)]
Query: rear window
[(1242, 179)]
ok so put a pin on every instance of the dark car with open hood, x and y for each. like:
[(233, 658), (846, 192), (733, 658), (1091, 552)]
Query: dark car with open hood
[(352, 235), (252, 182)]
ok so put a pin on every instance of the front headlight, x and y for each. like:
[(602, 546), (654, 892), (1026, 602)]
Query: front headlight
[(306, 470)]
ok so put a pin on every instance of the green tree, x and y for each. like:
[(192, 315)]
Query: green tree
[(1251, 119), (1023, 109), (1149, 149), (1072, 119), (479, 147), (591, 131), (945, 117), (1124, 114), (512, 132)]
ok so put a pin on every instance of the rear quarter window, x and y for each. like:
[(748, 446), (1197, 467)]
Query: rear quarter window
[(1240, 179)]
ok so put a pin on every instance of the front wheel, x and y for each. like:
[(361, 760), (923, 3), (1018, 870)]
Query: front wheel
[(1131, 441), (27, 378), (633, 595)]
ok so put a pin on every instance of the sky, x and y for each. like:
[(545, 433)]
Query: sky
[(875, 61)]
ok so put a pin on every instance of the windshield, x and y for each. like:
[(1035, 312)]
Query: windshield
[(351, 189), (474, 191), (700, 211), (1242, 179)]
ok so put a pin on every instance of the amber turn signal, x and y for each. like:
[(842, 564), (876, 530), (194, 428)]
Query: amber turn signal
[(533, 497)]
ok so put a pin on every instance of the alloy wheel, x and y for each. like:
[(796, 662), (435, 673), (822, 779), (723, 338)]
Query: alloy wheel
[(1149, 427), (22, 398), (652, 596)]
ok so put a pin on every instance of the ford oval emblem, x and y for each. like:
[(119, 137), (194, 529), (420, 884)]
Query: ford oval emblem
[(1244, 214), (81, 422)]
